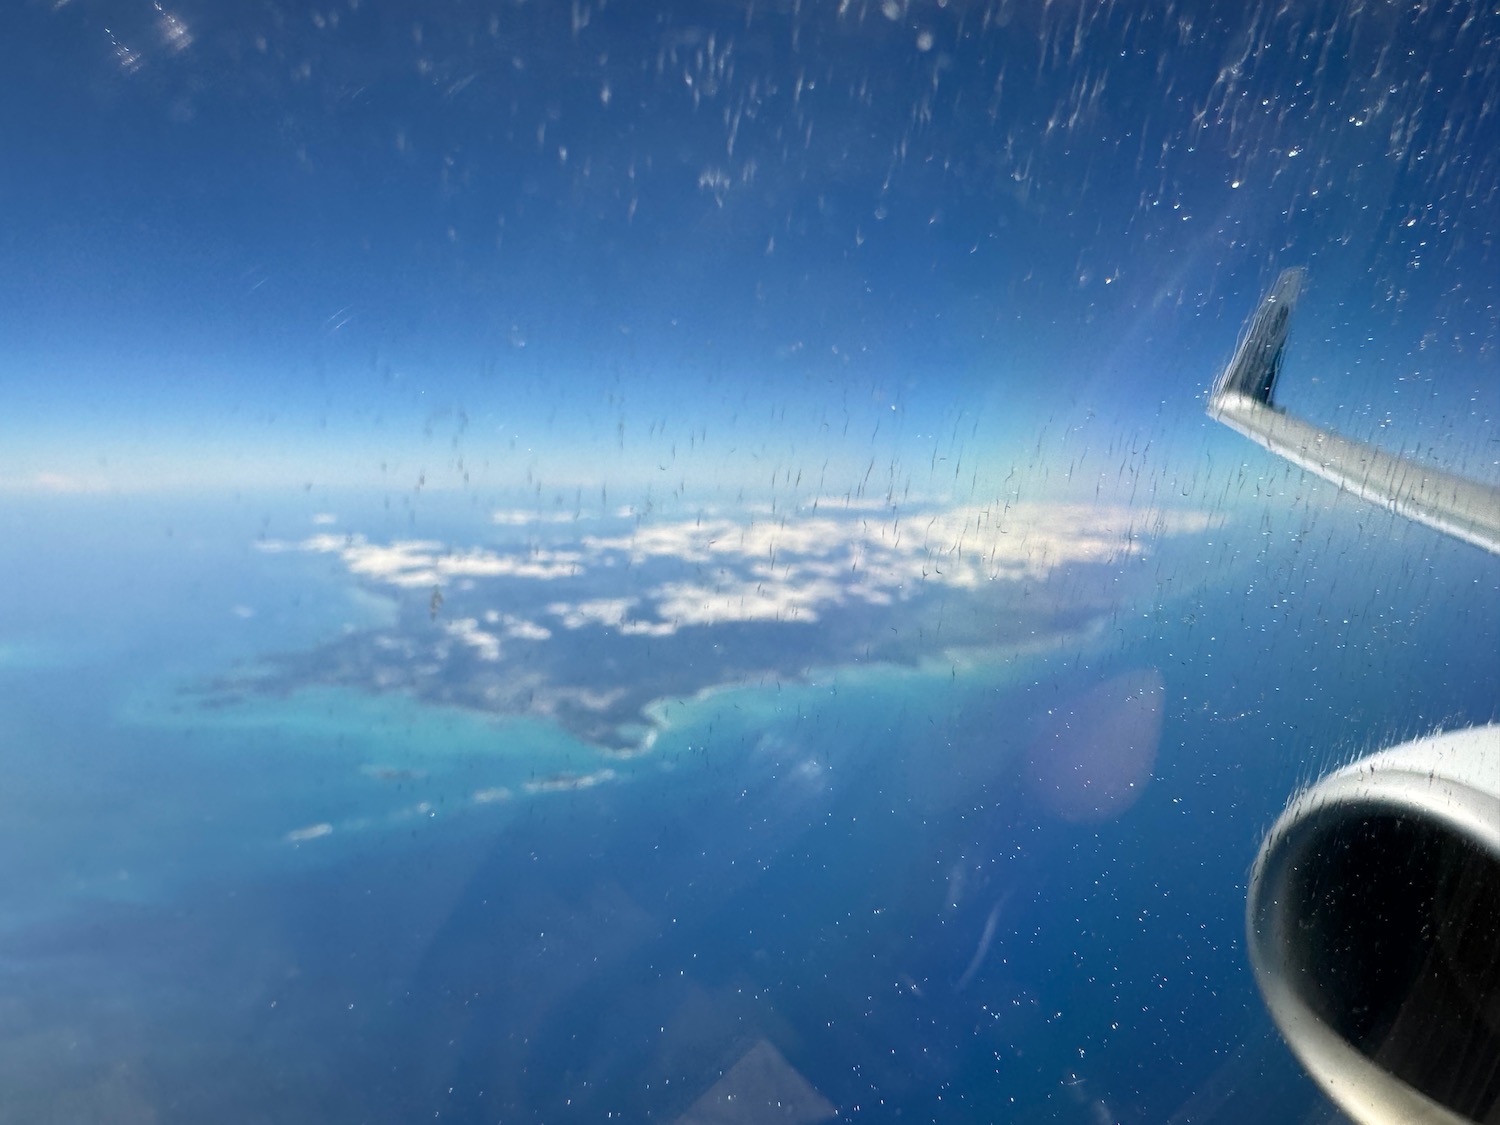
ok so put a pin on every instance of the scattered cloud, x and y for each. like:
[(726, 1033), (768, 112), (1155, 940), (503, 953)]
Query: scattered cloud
[(516, 517), (420, 563), (467, 630), (793, 567), (568, 782), (517, 627), (589, 627), (311, 832)]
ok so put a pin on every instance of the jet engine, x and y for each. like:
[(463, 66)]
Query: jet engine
[(1374, 931)]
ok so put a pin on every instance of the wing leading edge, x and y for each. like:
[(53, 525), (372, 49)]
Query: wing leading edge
[(1242, 399)]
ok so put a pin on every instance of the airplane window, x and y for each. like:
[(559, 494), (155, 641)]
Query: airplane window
[(741, 562)]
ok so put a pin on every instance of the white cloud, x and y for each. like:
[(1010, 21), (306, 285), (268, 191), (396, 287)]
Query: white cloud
[(468, 631), (568, 782), (489, 564), (516, 517), (792, 567), (684, 603), (416, 563), (526, 630), (311, 832), (517, 627), (596, 611)]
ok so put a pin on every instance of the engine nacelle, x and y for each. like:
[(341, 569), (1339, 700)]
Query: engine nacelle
[(1374, 930)]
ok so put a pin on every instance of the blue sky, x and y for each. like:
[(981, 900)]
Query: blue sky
[(355, 245)]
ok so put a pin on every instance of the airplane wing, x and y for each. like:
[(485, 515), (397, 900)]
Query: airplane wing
[(1242, 399)]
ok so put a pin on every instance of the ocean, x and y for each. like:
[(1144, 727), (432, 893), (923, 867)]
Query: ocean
[(335, 905)]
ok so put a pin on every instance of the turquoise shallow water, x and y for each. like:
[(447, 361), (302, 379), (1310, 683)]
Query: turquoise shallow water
[(143, 784)]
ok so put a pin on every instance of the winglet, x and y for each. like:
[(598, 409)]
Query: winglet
[(1257, 361)]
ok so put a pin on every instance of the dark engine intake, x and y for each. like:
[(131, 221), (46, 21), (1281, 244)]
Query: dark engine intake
[(1374, 930)]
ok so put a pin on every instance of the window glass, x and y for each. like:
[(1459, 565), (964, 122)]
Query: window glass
[(665, 561)]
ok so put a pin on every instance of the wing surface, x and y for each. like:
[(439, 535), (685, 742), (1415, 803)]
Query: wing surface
[(1243, 399)]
